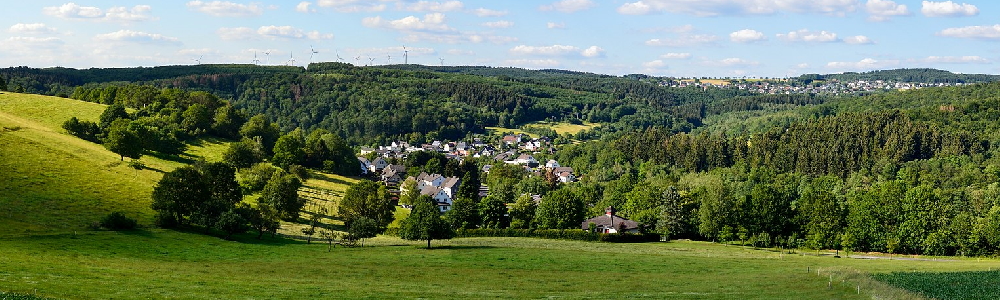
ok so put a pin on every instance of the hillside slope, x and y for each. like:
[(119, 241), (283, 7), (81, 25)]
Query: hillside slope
[(52, 182)]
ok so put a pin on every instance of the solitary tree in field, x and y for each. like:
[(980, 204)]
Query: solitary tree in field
[(425, 223), (122, 141)]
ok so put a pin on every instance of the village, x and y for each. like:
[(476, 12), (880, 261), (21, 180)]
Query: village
[(784, 86), (511, 149)]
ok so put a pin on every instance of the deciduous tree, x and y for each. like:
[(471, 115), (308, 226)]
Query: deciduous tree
[(425, 223)]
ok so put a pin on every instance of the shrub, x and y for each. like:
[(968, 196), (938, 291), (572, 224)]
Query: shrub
[(118, 221), (569, 234)]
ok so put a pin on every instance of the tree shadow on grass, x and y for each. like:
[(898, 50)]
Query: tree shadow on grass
[(456, 247), (324, 177), (182, 158)]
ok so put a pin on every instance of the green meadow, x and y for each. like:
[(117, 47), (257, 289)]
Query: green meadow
[(52, 185)]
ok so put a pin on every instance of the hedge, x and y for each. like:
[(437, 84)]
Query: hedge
[(568, 234)]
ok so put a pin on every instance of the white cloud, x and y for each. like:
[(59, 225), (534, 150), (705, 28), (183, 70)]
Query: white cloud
[(554, 25), (883, 10), (350, 6), (459, 52), (635, 8), (674, 55), (865, 64), (802, 66), (568, 6), (684, 41), (226, 8), (430, 22), (948, 9), (955, 60), (543, 63), (271, 32), (858, 40), (290, 32), (733, 61), (973, 32), (137, 37), (747, 36), (804, 35), (304, 7), (39, 41), (678, 29), (456, 37), (428, 6), (483, 12), (33, 28), (656, 64), (593, 51), (554, 50), (499, 24), (708, 8), (72, 11)]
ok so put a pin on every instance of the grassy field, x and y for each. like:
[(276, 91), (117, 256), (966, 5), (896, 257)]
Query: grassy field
[(52, 185), (564, 127), (53, 182), (168, 264)]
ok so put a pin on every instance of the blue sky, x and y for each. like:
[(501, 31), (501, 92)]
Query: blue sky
[(717, 38)]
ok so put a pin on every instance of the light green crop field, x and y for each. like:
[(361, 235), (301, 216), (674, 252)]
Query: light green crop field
[(170, 264), (565, 127)]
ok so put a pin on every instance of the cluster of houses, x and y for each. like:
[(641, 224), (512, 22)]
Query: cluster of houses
[(517, 149), (477, 148)]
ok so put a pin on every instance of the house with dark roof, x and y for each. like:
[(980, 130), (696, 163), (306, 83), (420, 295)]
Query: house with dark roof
[(439, 195), (611, 223), (393, 174)]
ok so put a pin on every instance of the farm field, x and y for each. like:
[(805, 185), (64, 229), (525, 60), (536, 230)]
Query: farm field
[(564, 127), (948, 285), (169, 264)]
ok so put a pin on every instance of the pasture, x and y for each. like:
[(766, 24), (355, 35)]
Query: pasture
[(170, 264)]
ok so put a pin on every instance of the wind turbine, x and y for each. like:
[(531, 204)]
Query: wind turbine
[(198, 61), (312, 52), (406, 56), (291, 59), (371, 61), (267, 57), (442, 61), (255, 61), (388, 59), (357, 60), (339, 59)]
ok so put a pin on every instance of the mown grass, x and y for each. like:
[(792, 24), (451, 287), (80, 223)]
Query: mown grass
[(53, 182), (169, 264), (565, 127)]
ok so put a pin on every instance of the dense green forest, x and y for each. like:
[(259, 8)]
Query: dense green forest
[(906, 75), (902, 172)]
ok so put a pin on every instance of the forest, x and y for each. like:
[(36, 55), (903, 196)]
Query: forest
[(899, 172)]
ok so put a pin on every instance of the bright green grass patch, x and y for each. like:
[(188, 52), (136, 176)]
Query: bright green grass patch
[(947, 285), (497, 130), (565, 127), (169, 264), (52, 182)]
